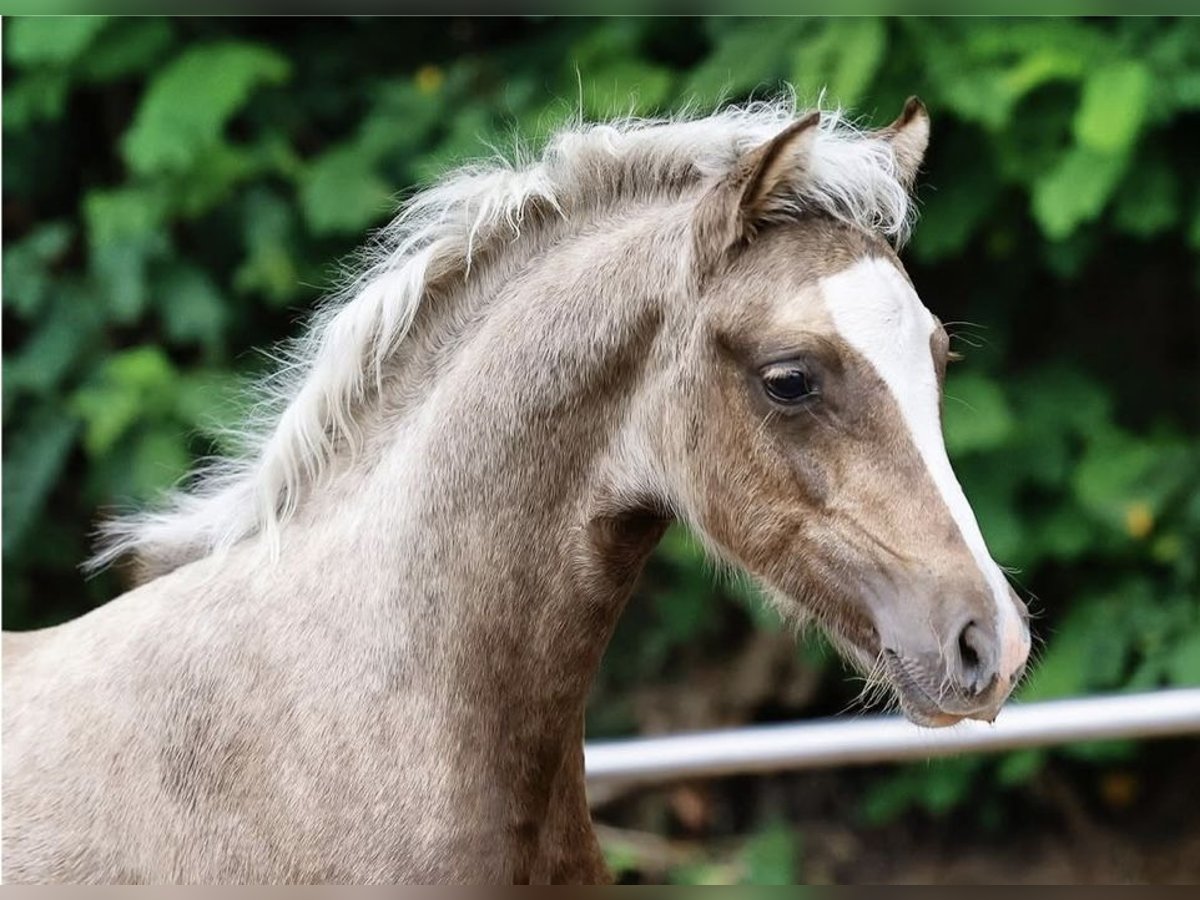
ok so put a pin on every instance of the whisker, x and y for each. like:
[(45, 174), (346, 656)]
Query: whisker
[(975, 343), (960, 400)]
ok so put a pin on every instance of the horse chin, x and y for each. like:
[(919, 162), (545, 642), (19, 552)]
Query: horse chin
[(915, 702), (926, 717)]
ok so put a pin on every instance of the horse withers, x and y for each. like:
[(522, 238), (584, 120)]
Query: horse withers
[(361, 650)]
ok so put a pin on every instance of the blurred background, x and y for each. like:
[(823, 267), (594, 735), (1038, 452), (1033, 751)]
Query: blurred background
[(178, 193)]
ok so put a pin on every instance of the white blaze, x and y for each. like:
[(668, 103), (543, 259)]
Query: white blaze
[(877, 312)]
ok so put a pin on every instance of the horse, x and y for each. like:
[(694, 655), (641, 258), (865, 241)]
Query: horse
[(359, 649)]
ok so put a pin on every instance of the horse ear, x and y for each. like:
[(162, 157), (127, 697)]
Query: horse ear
[(757, 188), (909, 136)]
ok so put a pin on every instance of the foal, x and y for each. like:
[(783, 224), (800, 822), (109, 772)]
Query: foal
[(361, 652)]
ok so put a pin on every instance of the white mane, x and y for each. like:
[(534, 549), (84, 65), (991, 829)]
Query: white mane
[(312, 401)]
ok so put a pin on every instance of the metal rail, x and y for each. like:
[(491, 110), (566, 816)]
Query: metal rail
[(876, 739)]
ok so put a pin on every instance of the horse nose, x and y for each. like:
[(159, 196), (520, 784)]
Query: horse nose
[(973, 659)]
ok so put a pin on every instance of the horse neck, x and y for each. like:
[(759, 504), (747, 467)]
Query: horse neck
[(491, 532)]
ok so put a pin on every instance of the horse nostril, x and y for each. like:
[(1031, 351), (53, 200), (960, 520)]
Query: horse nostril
[(966, 653), (975, 668)]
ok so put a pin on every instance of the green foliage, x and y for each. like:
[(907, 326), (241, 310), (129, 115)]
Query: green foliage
[(1113, 107), (37, 453), (27, 282), (841, 59), (1075, 191), (178, 190), (747, 57), (979, 416), (50, 42), (935, 788), (770, 856), (183, 113)]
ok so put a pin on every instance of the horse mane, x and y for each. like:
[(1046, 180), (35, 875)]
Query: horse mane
[(310, 403)]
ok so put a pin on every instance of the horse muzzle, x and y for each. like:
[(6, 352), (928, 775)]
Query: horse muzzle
[(970, 675)]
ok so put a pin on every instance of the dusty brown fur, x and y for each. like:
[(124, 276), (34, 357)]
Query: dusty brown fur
[(399, 697)]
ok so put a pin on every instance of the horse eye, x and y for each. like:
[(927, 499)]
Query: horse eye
[(787, 383)]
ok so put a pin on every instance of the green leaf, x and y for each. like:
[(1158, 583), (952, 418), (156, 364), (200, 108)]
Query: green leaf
[(976, 414), (342, 190), (1093, 644), (701, 873), (469, 134), (937, 787), (748, 56), (1040, 66), (402, 118), (1065, 533), (159, 459), (626, 87), (130, 46), (1183, 665), (193, 309), (620, 858), (863, 48), (49, 40), (1059, 398), (841, 59), (211, 181), (1100, 751), (40, 95), (134, 385), (1148, 202), (125, 232), (1113, 108), (1020, 767), (1026, 149), (947, 782), (268, 236), (992, 499), (1076, 190), (956, 209), (123, 214), (982, 70), (27, 279), (34, 455), (1062, 670), (888, 799), (770, 856), (343, 193), (211, 403), (185, 109), (63, 337), (1115, 475)]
